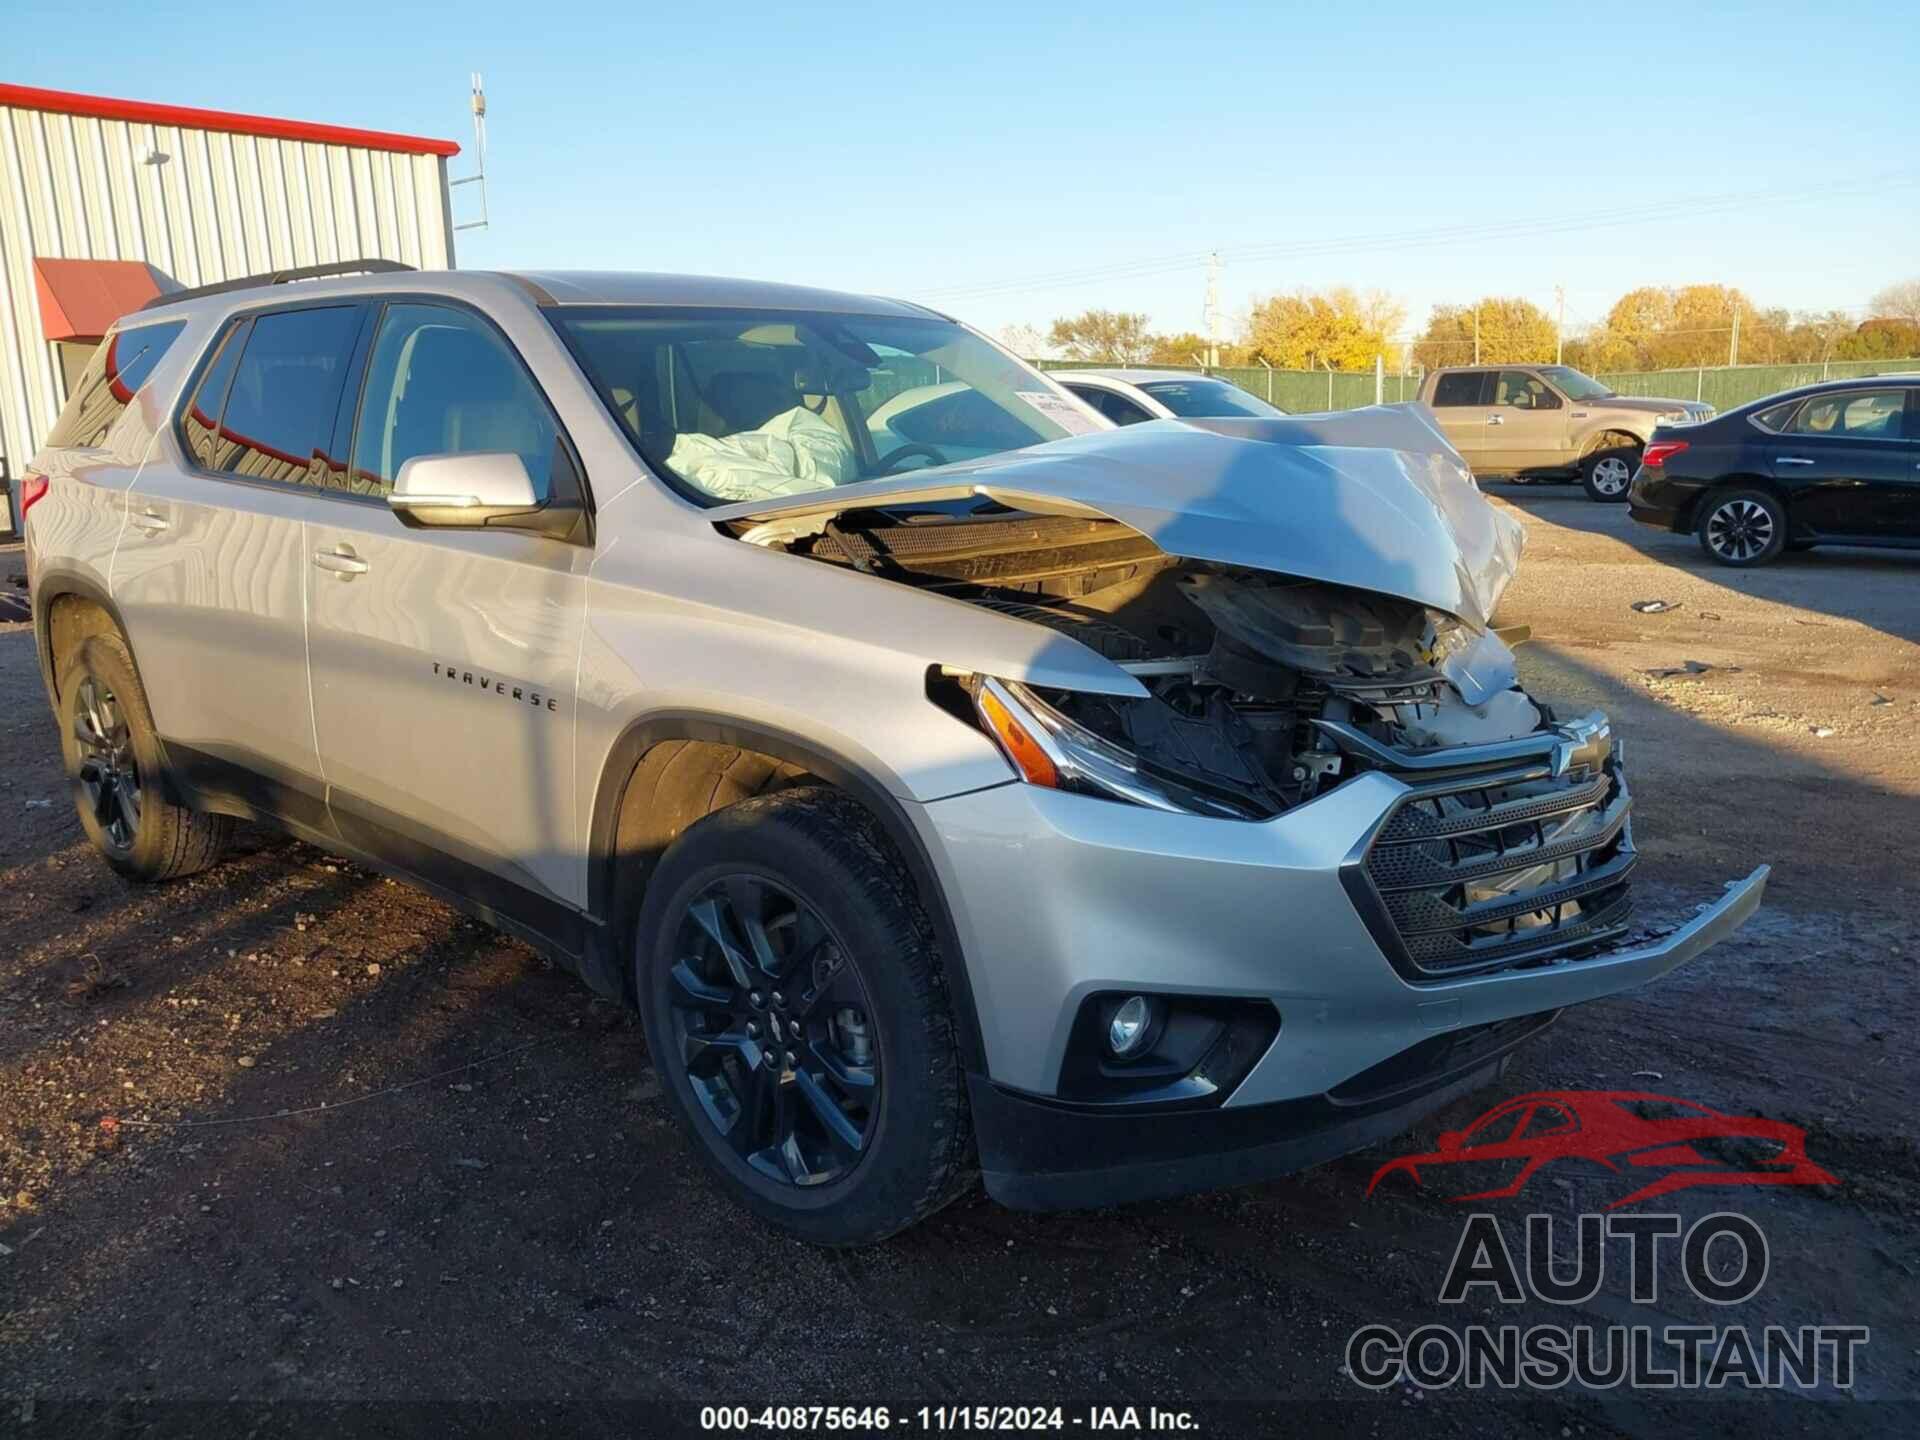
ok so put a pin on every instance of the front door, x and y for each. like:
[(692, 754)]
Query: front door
[(1851, 466), (443, 660), (1462, 403), (1526, 424), (210, 572)]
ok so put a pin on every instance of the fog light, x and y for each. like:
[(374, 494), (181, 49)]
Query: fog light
[(1127, 1031)]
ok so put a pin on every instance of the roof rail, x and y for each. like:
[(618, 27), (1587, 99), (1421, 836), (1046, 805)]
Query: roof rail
[(281, 277)]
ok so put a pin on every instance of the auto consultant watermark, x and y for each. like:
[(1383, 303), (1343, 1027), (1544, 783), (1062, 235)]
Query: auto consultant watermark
[(1722, 1259)]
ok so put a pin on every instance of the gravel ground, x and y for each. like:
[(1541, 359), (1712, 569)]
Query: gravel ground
[(412, 1179)]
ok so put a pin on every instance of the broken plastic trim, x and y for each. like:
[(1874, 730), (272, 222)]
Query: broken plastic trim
[(1586, 741)]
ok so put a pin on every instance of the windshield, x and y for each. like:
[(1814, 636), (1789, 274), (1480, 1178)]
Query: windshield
[(745, 405), (1572, 384), (1201, 399)]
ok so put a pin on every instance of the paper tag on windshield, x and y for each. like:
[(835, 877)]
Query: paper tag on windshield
[(1064, 413)]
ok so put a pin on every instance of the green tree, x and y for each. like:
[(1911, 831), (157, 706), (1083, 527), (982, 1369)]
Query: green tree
[(1186, 348), (1510, 329), (1112, 337), (1338, 329)]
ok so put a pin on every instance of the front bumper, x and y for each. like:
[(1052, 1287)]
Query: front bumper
[(1040, 1155), (1059, 897)]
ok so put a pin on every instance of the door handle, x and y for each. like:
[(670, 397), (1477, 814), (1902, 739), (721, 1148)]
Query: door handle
[(342, 562), (1793, 460), (151, 521), (1496, 420)]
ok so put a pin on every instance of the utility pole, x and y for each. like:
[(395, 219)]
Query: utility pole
[(1733, 346), (1476, 332), (1560, 323), (1213, 309)]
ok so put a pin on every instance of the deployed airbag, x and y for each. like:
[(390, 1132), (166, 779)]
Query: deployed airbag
[(794, 452)]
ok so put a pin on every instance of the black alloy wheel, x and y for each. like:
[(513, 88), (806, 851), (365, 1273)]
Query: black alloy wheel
[(774, 1027), (109, 773)]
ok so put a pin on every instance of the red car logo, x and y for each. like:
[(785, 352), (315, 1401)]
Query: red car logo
[(1626, 1132)]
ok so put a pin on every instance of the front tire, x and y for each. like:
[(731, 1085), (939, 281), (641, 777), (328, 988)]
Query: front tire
[(113, 764), (1742, 528), (796, 1009), (1607, 474)]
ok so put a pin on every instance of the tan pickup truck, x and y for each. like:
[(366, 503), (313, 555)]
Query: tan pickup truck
[(1544, 421)]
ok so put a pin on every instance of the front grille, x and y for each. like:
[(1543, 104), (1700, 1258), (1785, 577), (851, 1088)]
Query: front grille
[(1474, 873)]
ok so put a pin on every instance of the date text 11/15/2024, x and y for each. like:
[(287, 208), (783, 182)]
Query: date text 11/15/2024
[(977, 1419)]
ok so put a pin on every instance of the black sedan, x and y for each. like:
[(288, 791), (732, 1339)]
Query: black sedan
[(1830, 464)]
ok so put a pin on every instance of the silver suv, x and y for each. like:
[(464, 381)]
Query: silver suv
[(957, 784)]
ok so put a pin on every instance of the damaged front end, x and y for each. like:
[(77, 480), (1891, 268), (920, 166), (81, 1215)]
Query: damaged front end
[(1259, 688)]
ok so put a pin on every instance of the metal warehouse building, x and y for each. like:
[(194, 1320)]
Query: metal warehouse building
[(106, 203)]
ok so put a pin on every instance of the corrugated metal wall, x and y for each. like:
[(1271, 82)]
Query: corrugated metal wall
[(223, 205)]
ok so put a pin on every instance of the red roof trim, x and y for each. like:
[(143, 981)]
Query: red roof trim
[(28, 97)]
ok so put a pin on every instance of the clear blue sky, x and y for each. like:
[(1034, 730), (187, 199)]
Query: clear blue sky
[(957, 151)]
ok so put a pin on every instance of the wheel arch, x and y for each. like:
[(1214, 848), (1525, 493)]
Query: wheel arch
[(1727, 483), (62, 592), (1596, 438), (610, 841)]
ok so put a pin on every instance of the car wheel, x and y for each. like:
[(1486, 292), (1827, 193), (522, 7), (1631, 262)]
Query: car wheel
[(1742, 527), (1608, 474), (113, 765), (796, 1009)]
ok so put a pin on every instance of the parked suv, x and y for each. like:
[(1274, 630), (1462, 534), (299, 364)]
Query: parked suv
[(1547, 421), (1112, 813)]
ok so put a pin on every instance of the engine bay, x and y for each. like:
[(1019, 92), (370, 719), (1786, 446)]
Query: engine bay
[(1257, 683)]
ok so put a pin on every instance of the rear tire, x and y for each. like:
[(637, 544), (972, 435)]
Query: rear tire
[(113, 764), (1607, 474), (810, 1057), (1742, 528)]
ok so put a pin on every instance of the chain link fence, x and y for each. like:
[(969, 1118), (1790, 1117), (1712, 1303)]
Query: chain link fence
[(1721, 386)]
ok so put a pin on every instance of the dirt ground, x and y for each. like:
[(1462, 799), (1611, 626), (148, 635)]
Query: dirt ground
[(415, 1180)]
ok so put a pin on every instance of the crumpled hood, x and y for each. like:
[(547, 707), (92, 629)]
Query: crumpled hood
[(1375, 499)]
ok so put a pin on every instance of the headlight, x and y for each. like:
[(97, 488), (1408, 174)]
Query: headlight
[(1046, 748)]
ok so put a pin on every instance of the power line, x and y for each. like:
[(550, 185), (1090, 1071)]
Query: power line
[(1646, 213)]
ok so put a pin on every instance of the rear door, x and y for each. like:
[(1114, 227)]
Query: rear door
[(443, 660), (1462, 401), (1526, 424), (1849, 461), (210, 572)]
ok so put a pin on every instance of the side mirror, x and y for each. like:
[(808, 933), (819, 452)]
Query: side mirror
[(458, 489), (485, 489), (1449, 1141)]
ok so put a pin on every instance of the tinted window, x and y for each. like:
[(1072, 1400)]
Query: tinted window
[(280, 406), (201, 418), (1463, 387), (1866, 414), (441, 382), (1116, 408), (1775, 417), (1524, 391), (1198, 399), (113, 376)]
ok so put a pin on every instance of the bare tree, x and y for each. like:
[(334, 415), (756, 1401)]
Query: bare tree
[(1899, 301)]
